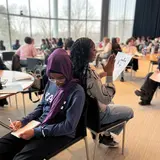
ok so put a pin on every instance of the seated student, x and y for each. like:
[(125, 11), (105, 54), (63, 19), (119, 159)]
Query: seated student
[(60, 43), (44, 45), (107, 47), (3, 67), (115, 49), (26, 51), (148, 88), (68, 45), (2, 47), (59, 114), (131, 49), (82, 53), (16, 45)]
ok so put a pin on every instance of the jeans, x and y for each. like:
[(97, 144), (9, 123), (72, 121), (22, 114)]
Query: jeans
[(114, 113)]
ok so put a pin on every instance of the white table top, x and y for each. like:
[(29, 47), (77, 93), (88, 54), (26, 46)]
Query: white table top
[(16, 78)]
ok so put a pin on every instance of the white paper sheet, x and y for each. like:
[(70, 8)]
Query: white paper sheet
[(121, 62), (11, 89), (30, 125)]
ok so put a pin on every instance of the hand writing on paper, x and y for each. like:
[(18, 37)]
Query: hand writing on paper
[(109, 67), (27, 134), (17, 125)]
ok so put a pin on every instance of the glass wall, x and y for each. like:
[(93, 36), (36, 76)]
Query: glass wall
[(49, 18), (121, 17)]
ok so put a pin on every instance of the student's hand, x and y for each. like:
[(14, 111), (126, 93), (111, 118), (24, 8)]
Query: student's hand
[(17, 125), (109, 67), (27, 134)]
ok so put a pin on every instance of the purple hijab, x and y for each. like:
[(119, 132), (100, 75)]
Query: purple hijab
[(59, 62)]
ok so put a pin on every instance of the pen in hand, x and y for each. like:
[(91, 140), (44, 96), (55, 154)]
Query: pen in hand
[(13, 127)]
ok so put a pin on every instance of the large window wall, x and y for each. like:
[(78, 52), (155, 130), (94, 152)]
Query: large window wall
[(121, 17), (49, 18)]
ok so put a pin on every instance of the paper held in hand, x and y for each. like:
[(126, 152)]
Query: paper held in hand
[(155, 77), (30, 125), (121, 62)]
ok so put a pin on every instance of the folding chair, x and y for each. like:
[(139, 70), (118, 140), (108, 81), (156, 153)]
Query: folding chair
[(93, 123)]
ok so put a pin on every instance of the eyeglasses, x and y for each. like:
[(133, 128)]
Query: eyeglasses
[(60, 80)]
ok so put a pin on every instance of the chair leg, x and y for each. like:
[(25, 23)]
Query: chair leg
[(16, 101), (24, 106), (9, 101), (123, 139), (149, 67), (95, 147), (152, 68), (87, 148)]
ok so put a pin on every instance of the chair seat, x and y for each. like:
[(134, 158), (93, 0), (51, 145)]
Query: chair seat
[(65, 147), (30, 90)]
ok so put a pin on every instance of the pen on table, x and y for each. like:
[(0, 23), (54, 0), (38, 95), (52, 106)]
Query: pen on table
[(11, 123)]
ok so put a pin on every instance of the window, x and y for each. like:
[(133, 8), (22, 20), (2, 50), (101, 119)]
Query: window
[(63, 9), (94, 9), (115, 29), (40, 8), (54, 28), (78, 9), (93, 30), (130, 9), (40, 29), (3, 6), (78, 29), (121, 17), (18, 7), (20, 28), (62, 29), (4, 30)]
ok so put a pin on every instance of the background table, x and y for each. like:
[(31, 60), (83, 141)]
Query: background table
[(11, 76)]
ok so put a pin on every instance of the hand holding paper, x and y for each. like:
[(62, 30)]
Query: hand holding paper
[(109, 67)]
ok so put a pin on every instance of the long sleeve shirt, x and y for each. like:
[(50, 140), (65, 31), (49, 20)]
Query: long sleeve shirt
[(74, 105), (26, 51), (101, 92)]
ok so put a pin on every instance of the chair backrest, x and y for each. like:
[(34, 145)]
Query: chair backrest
[(32, 62), (81, 127), (16, 63), (93, 118), (7, 56)]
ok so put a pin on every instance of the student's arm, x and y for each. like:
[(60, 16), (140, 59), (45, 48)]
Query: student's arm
[(69, 125), (102, 92), (18, 52), (34, 51)]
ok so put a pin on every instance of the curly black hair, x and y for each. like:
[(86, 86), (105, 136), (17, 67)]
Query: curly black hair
[(80, 53)]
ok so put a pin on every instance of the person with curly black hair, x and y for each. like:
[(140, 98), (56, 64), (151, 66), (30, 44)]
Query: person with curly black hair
[(82, 53)]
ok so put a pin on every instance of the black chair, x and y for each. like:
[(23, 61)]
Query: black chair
[(32, 62), (80, 134), (7, 56), (93, 123)]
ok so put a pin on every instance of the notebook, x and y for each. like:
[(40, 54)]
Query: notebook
[(30, 125)]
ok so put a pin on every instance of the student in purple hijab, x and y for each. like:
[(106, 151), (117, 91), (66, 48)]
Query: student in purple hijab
[(58, 113)]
